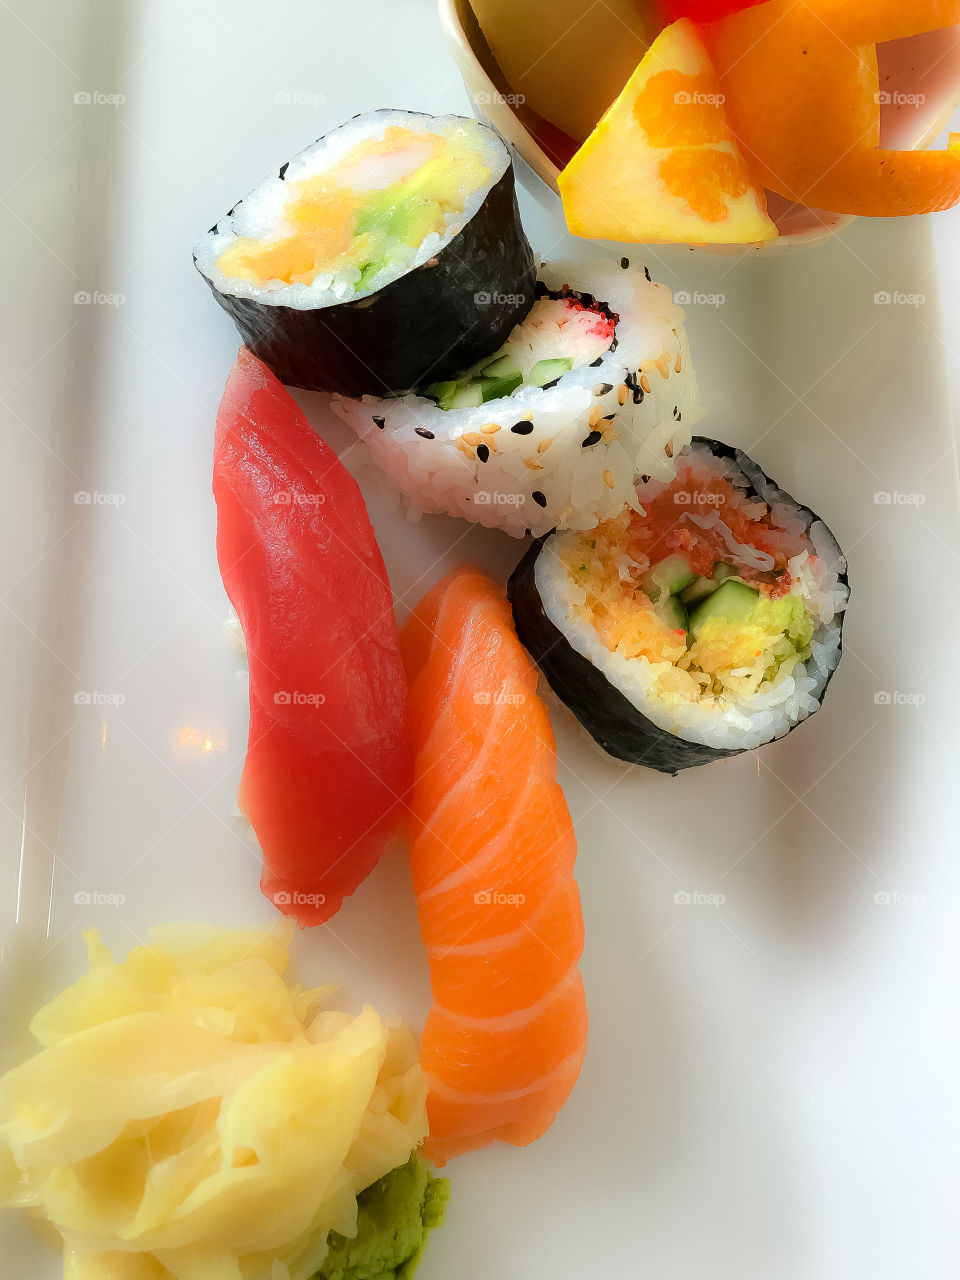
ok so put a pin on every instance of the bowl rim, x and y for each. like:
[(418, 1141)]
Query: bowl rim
[(537, 163)]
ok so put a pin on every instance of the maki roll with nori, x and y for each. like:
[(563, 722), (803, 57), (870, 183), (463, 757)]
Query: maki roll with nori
[(549, 430), (706, 623), (386, 255)]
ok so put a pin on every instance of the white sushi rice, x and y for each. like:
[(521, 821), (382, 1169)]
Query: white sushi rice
[(532, 472), (729, 721), (262, 214)]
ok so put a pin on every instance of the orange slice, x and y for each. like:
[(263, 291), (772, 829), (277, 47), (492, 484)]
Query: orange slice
[(801, 87), (859, 21), (662, 166)]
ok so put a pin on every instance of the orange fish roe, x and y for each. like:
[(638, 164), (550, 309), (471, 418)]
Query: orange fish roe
[(617, 608), (666, 529)]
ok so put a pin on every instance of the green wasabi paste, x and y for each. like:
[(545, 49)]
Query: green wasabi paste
[(394, 1218)]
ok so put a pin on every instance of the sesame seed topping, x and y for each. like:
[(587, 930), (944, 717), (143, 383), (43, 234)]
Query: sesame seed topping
[(609, 479), (544, 445), (630, 381), (663, 365), (596, 413), (679, 365), (378, 420), (490, 428), (483, 453), (532, 464), (471, 437), (427, 435), (522, 428), (539, 498), (589, 441), (602, 388), (668, 448), (645, 383), (624, 262), (622, 392)]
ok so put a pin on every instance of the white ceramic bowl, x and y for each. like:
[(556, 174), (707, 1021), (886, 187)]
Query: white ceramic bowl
[(927, 66)]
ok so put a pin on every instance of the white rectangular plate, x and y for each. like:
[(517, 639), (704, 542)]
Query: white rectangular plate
[(770, 1088)]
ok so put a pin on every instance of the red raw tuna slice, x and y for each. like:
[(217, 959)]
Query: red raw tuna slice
[(327, 760)]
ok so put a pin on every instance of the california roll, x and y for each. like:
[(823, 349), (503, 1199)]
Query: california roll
[(702, 621), (550, 429)]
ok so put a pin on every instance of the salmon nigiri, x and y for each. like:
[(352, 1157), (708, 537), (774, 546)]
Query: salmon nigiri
[(327, 756), (492, 852)]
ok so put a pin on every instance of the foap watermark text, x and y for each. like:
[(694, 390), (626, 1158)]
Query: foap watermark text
[(698, 299), (97, 898), (298, 698), (897, 698), (697, 898)]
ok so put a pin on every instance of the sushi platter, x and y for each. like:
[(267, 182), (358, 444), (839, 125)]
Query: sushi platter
[(479, 754)]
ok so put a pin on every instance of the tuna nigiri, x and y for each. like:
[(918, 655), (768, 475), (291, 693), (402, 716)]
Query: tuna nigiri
[(492, 851), (327, 757)]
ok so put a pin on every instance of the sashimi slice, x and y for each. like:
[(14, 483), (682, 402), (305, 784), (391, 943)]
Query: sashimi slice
[(492, 856), (327, 758)]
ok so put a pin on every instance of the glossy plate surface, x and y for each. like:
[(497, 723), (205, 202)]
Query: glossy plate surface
[(771, 1084)]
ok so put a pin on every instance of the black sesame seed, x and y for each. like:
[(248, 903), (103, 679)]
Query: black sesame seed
[(609, 417), (676, 412), (547, 385), (602, 388), (646, 272), (283, 170), (644, 479), (539, 498), (624, 262), (635, 387), (483, 452), (378, 420), (522, 428), (595, 364), (593, 438), (427, 435)]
